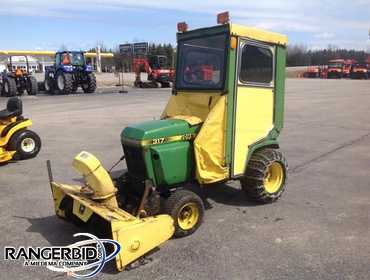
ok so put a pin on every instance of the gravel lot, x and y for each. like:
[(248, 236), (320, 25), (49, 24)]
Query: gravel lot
[(320, 229)]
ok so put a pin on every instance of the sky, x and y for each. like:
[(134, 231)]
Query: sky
[(81, 24)]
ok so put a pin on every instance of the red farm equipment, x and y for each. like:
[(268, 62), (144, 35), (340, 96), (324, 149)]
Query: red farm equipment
[(359, 71), (335, 68), (158, 70), (347, 66), (312, 72)]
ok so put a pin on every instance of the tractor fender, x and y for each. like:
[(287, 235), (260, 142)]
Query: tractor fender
[(265, 143), (50, 73), (12, 128), (59, 70)]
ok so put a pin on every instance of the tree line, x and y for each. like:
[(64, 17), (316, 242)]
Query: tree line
[(299, 55)]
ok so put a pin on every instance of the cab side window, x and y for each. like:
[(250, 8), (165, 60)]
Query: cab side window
[(256, 65), (57, 59)]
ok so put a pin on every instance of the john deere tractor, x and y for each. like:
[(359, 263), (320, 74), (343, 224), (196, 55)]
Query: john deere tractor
[(70, 71), (15, 80), (221, 123)]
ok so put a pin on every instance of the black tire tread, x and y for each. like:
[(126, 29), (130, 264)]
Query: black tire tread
[(253, 182), (91, 84), (33, 89), (12, 87), (14, 144), (173, 204), (50, 82), (68, 83)]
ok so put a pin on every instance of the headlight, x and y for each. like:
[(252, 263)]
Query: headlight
[(68, 68)]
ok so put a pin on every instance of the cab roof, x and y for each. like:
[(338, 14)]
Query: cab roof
[(258, 34), (238, 30)]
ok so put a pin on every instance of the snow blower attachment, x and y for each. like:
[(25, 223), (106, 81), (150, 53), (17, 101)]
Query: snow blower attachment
[(136, 235)]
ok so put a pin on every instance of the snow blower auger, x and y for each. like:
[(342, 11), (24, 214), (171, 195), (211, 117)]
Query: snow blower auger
[(137, 235)]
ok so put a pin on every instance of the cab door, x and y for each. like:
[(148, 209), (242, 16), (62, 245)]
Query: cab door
[(253, 101)]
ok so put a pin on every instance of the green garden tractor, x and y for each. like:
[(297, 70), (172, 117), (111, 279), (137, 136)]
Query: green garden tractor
[(221, 123)]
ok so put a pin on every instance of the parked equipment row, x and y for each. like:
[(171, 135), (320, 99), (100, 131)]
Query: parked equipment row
[(339, 68), (69, 72)]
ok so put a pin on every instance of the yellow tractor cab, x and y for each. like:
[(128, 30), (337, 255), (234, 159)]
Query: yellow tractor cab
[(16, 141), (221, 123)]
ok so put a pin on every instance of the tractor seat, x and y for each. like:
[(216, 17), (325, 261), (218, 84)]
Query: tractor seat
[(14, 108)]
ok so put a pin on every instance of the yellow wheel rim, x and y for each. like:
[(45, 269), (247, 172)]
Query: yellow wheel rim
[(274, 177), (188, 216)]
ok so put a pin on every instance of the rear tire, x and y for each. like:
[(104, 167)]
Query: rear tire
[(20, 91), (165, 84), (75, 87), (90, 86), (49, 86), (40, 86), (31, 86), (187, 210), (26, 143), (266, 176), (9, 87), (64, 83)]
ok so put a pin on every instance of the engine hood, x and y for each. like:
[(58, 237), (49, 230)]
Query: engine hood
[(158, 129)]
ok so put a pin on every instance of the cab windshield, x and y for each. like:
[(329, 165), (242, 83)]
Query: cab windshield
[(359, 65), (201, 63), (77, 58), (158, 62), (335, 65)]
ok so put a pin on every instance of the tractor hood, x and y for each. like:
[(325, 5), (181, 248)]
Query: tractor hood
[(158, 129)]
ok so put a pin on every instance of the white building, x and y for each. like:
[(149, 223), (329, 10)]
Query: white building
[(35, 65)]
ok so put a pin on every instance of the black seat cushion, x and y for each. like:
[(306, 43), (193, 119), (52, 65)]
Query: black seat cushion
[(14, 108)]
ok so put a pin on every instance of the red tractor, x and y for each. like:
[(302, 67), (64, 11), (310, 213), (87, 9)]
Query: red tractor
[(359, 71), (347, 67), (159, 73), (335, 68), (312, 72)]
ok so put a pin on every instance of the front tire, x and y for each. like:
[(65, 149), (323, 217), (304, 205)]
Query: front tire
[(49, 86), (9, 87), (266, 176), (32, 87), (26, 143), (186, 209), (90, 86), (64, 83)]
